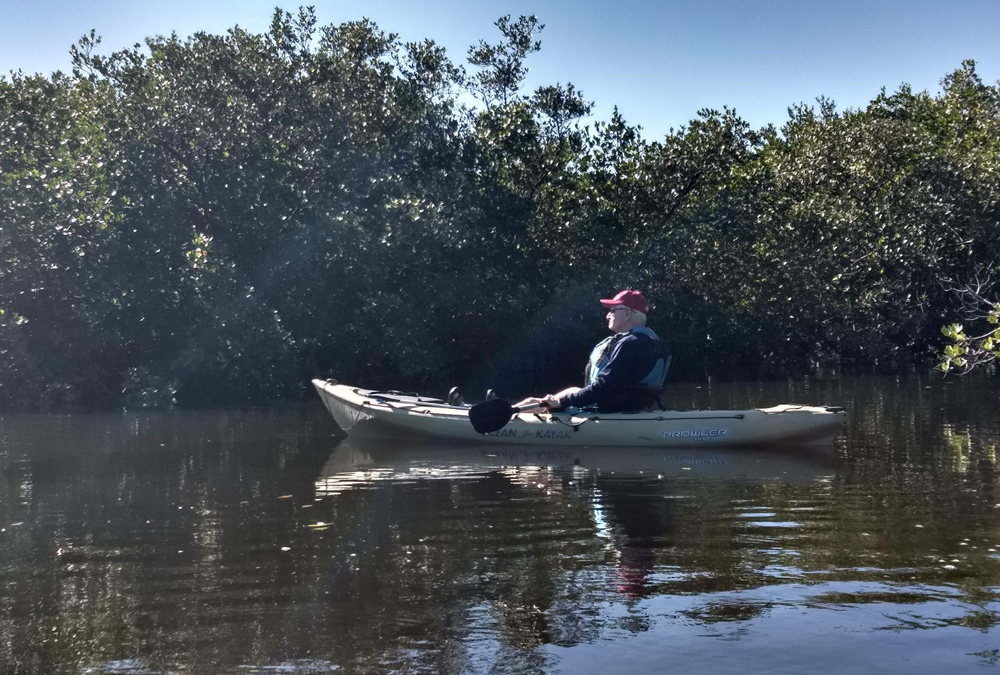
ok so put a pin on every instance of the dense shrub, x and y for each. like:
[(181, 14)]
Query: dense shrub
[(219, 218)]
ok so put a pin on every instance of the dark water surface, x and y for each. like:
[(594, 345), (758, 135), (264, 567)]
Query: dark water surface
[(257, 542)]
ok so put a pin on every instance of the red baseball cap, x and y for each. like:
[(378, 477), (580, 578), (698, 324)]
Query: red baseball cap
[(631, 299)]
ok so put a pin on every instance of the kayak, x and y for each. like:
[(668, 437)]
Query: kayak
[(364, 412)]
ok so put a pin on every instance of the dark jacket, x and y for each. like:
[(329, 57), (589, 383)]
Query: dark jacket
[(616, 387)]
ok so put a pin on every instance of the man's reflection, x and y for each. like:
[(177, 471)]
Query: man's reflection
[(638, 515)]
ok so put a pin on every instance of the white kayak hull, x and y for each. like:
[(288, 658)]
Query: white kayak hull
[(363, 411)]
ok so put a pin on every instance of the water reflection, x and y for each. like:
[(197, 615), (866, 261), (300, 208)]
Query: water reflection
[(255, 542), (626, 496), (356, 463)]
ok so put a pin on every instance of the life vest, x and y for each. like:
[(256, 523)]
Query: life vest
[(601, 355)]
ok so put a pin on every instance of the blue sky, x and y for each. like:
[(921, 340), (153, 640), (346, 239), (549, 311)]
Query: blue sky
[(659, 62)]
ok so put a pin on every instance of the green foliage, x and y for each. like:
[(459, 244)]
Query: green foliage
[(964, 352), (501, 66), (218, 218)]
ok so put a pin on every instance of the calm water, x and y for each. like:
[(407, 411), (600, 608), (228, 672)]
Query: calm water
[(258, 543)]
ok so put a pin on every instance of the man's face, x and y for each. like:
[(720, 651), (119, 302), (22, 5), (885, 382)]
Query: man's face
[(618, 318)]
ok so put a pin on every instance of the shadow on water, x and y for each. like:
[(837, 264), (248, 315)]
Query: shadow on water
[(255, 542)]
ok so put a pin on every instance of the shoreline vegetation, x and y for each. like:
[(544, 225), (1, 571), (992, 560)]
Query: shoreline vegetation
[(217, 219)]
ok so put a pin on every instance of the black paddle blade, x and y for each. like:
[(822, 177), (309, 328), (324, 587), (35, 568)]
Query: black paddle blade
[(490, 416)]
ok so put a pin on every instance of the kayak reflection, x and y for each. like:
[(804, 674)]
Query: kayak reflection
[(360, 461), (632, 495)]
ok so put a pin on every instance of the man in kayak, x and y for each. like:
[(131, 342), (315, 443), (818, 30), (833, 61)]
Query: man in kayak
[(625, 371)]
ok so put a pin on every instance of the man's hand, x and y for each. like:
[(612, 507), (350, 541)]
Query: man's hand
[(548, 401), (551, 401)]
